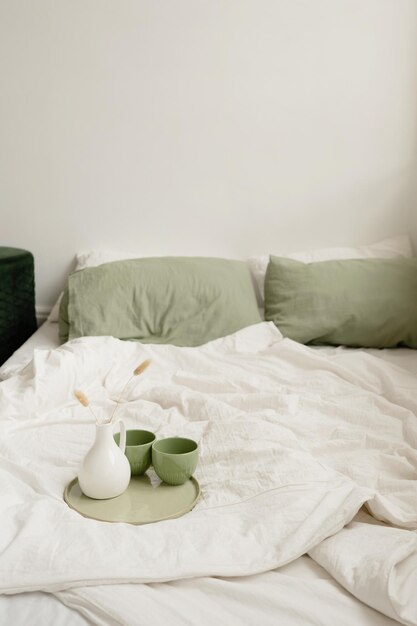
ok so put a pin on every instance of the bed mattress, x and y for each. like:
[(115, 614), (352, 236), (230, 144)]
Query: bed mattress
[(299, 593)]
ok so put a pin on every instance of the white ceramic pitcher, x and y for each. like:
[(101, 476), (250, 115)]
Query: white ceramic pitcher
[(105, 471)]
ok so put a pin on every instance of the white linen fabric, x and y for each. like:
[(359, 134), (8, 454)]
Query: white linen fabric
[(377, 563), (45, 338), (93, 258), (292, 444), (298, 594), (39, 609), (301, 593)]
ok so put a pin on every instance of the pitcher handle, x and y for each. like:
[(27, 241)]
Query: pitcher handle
[(122, 441)]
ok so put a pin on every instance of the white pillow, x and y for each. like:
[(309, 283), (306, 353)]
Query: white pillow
[(396, 246), (93, 258)]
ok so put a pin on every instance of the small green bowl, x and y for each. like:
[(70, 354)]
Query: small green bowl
[(174, 459), (138, 449)]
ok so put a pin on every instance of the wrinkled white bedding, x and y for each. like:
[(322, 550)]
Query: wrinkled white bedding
[(298, 594), (45, 338), (292, 444)]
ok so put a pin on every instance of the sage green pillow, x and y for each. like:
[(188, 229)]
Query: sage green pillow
[(185, 301), (370, 303)]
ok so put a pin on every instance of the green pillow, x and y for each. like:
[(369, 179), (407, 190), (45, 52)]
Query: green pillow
[(185, 301), (371, 303)]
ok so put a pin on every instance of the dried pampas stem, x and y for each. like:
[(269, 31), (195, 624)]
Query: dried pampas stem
[(136, 372), (142, 367), (82, 399)]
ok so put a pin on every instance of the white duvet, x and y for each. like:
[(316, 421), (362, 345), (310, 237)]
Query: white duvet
[(292, 445)]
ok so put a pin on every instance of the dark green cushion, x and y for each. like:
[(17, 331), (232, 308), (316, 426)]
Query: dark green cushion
[(370, 303), (17, 299), (185, 301)]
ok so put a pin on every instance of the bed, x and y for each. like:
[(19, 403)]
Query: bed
[(303, 591)]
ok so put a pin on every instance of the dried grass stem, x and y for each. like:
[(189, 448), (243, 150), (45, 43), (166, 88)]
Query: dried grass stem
[(136, 372), (82, 399)]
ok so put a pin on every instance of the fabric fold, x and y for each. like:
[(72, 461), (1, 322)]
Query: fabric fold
[(376, 563)]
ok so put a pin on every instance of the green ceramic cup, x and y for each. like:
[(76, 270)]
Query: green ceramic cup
[(174, 459), (138, 449)]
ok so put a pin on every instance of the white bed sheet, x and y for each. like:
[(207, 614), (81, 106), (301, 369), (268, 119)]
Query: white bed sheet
[(46, 338), (37, 609), (300, 593)]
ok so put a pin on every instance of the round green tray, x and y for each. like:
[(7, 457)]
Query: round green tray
[(146, 500)]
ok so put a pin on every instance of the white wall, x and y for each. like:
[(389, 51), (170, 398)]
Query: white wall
[(414, 228), (204, 126), (414, 214)]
